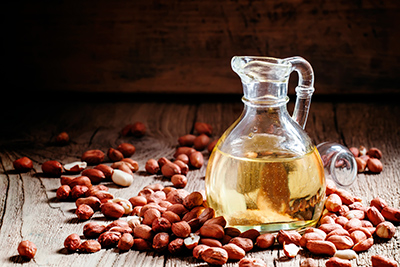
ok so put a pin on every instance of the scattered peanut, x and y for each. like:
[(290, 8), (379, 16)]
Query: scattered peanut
[(23, 164), (27, 249)]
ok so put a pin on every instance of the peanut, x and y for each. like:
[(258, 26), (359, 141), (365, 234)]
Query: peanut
[(191, 241), (93, 157), (358, 214), (181, 229), (125, 242), (192, 200), (363, 245), (52, 168), (122, 178), (211, 145), (341, 241), (245, 243), (252, 262), (93, 230), (265, 241), (288, 237), (143, 231), (183, 157), (152, 166), (160, 242), (374, 165), (234, 252), (355, 151), (220, 220), (176, 246), (179, 180), (63, 192), (375, 216), (321, 247), (183, 166), (337, 262), (23, 164), (391, 214), (198, 250), (72, 242), (215, 255), (90, 246), (196, 159), (207, 214), (62, 139), (374, 152), (109, 239), (186, 140), (107, 170), (212, 231), (382, 261), (310, 236), (150, 215), (138, 129), (84, 212), (346, 254), (112, 210), (169, 169), (361, 164), (114, 155), (27, 249), (203, 128), (126, 149), (201, 142), (358, 236), (104, 196), (385, 230), (291, 250), (333, 203), (78, 191), (171, 216)]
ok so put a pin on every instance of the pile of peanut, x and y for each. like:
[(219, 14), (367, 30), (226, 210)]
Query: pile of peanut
[(367, 159), (171, 219)]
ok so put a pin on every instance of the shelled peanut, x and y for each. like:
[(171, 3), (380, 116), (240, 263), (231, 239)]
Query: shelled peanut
[(346, 228), (173, 220), (367, 159)]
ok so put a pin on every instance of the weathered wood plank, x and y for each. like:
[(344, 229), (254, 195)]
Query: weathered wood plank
[(29, 209), (95, 46)]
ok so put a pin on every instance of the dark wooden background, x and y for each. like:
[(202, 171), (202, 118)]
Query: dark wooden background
[(177, 46)]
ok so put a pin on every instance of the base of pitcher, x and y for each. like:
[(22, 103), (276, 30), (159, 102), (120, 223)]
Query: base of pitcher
[(276, 227)]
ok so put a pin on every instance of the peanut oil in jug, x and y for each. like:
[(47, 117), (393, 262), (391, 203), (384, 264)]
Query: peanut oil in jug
[(265, 189), (265, 173)]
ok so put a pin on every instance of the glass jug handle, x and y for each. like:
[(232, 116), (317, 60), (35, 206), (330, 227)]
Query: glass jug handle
[(304, 89)]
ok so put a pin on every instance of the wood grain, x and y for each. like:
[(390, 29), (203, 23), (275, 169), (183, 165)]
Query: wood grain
[(29, 209), (186, 46)]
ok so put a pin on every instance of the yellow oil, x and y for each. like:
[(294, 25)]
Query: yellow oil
[(265, 188)]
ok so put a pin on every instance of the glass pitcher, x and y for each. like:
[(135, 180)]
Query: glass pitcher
[(265, 173)]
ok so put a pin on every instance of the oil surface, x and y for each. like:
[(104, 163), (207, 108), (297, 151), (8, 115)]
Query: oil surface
[(265, 188)]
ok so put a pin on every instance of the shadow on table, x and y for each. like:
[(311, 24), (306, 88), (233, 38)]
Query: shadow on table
[(19, 259)]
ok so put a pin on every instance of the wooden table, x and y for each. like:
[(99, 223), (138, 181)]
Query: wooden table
[(30, 210)]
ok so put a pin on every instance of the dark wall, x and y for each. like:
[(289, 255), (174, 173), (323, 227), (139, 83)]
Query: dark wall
[(186, 46)]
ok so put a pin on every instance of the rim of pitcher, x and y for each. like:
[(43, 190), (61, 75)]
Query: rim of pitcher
[(268, 60)]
